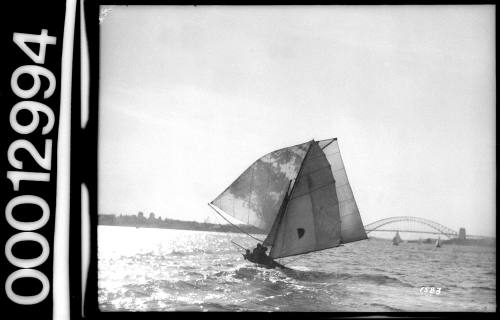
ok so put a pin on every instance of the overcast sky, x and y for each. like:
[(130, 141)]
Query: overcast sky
[(191, 96)]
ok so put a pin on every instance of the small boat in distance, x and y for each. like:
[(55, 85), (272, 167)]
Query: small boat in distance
[(397, 239), (300, 196), (438, 243)]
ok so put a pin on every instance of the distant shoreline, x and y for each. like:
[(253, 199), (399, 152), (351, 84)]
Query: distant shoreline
[(486, 242), (234, 230), (140, 221)]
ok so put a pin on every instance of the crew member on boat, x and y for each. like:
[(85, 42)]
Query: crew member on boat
[(259, 256)]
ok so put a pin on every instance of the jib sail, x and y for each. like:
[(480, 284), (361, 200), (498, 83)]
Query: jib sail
[(351, 227)]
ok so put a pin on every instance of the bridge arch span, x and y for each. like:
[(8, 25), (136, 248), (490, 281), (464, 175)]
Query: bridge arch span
[(448, 232)]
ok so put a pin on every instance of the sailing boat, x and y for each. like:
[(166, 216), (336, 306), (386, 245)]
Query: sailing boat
[(299, 196), (397, 239), (438, 243)]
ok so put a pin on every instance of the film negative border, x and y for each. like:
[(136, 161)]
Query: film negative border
[(32, 95)]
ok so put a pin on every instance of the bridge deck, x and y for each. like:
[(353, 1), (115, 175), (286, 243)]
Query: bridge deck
[(411, 231), (411, 224)]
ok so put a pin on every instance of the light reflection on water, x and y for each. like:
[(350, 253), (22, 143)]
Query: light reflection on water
[(167, 270)]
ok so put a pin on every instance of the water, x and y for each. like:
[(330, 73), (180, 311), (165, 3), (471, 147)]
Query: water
[(179, 270)]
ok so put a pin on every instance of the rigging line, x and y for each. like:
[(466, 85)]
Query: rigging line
[(329, 143), (234, 224), (238, 245), (277, 220)]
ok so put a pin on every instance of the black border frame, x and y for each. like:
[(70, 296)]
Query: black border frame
[(84, 166)]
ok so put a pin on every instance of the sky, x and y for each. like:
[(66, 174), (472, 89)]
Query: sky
[(192, 96)]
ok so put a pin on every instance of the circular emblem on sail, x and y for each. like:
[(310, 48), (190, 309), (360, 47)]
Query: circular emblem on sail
[(300, 232)]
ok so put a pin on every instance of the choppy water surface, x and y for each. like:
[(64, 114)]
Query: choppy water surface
[(176, 270)]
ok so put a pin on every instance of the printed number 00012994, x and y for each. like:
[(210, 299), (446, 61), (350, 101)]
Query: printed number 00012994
[(36, 108)]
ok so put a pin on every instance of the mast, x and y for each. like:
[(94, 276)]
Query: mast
[(269, 241)]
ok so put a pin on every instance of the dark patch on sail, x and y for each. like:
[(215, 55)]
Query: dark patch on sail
[(300, 232)]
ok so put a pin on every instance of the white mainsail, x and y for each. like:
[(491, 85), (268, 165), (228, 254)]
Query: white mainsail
[(311, 221)]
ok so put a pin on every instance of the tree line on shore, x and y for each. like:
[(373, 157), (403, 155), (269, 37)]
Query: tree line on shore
[(152, 221)]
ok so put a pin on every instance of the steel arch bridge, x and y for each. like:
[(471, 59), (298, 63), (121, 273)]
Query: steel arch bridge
[(411, 224)]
